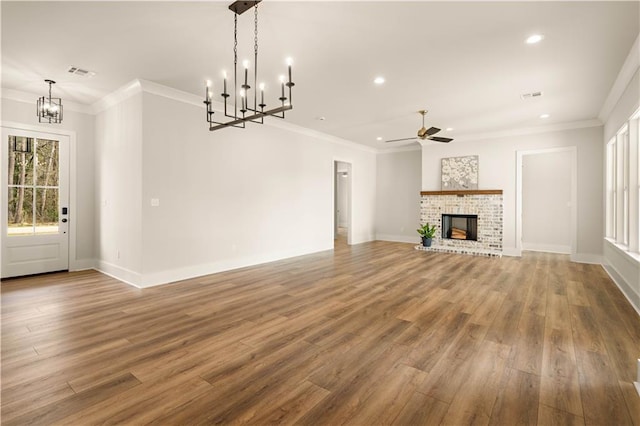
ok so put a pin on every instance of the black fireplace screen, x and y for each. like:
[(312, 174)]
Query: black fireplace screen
[(460, 226)]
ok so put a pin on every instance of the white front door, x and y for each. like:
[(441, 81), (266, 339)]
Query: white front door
[(35, 202)]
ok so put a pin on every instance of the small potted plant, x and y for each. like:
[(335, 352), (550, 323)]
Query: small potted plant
[(427, 232)]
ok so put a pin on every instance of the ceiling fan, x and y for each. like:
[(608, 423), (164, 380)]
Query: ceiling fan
[(424, 133)]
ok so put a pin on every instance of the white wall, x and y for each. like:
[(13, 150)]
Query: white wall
[(497, 170), (398, 203), (546, 198), (227, 199), (83, 124), (626, 105), (118, 180)]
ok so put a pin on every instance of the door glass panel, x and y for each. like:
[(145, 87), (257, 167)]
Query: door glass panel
[(20, 160), (47, 165), (33, 190), (46, 211), (20, 214)]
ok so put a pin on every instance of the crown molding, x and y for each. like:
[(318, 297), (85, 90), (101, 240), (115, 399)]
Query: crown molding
[(175, 94), (130, 89), (404, 148), (27, 97), (138, 86), (320, 135), (191, 99), (529, 130), (628, 70)]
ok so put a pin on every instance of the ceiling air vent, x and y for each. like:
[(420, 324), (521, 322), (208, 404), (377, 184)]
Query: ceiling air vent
[(530, 95), (80, 72)]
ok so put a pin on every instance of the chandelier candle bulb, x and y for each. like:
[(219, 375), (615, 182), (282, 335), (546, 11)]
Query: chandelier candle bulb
[(262, 95), (224, 76), (282, 98), (207, 94), (289, 63), (245, 63)]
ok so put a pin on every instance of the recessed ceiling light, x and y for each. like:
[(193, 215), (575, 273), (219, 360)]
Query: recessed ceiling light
[(544, 116), (535, 38), (379, 138), (379, 80), (448, 129)]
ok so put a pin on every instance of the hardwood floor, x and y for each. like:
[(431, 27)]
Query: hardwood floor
[(376, 333)]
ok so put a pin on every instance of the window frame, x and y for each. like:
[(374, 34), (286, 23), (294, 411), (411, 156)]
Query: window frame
[(622, 188)]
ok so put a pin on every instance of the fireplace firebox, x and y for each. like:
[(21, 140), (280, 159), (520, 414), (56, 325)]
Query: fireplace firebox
[(460, 227)]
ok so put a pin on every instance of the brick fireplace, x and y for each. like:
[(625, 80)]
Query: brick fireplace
[(454, 210)]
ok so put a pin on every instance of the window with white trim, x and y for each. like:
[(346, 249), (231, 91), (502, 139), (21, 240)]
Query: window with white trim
[(623, 140), (611, 189), (622, 202)]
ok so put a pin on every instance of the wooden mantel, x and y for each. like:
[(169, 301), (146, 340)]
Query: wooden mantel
[(465, 192)]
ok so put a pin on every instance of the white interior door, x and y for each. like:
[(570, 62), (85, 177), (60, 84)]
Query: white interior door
[(35, 202)]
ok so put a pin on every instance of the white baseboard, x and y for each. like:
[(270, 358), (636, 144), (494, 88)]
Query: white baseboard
[(625, 288), (511, 251), (179, 274), (172, 275), (119, 273), (82, 264), (594, 259), (547, 248), (576, 257), (362, 238), (398, 238), (637, 384)]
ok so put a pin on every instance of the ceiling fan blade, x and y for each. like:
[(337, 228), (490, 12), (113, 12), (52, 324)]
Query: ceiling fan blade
[(432, 131), (439, 139), (405, 139)]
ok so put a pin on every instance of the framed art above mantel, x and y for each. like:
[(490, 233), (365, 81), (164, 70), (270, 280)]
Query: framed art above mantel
[(459, 173)]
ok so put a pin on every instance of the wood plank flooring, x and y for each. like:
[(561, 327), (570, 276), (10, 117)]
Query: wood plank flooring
[(376, 333)]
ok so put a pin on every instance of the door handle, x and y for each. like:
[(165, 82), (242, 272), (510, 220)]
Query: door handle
[(64, 220)]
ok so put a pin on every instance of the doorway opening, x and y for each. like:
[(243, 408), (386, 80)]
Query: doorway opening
[(342, 203), (546, 207)]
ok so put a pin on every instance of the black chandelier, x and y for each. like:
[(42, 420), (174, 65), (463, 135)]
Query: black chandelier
[(243, 111), (49, 109)]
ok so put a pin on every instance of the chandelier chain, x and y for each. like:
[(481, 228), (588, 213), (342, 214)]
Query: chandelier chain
[(255, 33), (235, 64), (235, 39), (255, 59)]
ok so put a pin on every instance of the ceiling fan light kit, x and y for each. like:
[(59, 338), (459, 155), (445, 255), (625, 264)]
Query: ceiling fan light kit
[(424, 133), (242, 107)]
